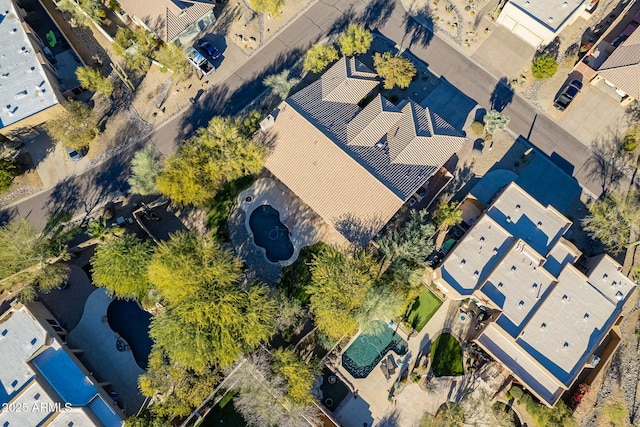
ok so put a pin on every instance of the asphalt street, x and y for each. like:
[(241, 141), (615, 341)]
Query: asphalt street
[(80, 194)]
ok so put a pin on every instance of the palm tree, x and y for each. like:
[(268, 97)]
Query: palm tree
[(281, 84)]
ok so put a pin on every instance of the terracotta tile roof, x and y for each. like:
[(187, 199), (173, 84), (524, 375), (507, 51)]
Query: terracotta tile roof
[(372, 123), (423, 138), (622, 68), (333, 184), (167, 18), (355, 140)]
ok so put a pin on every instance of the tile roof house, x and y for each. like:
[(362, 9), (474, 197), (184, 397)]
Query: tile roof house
[(29, 86), (539, 22), (170, 19), (555, 320), (41, 380), (622, 67), (356, 166)]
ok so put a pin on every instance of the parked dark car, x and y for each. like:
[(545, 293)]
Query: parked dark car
[(208, 49), (569, 91)]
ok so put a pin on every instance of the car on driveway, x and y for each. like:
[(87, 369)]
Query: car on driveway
[(74, 155), (199, 61), (208, 49), (569, 91)]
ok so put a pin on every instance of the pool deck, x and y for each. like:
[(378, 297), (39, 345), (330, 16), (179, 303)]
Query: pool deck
[(305, 226), (95, 337), (373, 405)]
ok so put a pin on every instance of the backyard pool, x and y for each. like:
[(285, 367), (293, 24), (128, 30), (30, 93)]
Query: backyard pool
[(271, 234), (333, 390), (129, 321), (369, 348)]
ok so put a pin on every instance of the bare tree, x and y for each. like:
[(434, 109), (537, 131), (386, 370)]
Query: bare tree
[(609, 162)]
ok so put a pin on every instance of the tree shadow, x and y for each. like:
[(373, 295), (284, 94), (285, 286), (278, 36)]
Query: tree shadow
[(418, 28), (221, 100), (358, 231), (609, 163), (376, 14), (6, 215), (390, 420), (502, 95), (552, 49), (64, 197)]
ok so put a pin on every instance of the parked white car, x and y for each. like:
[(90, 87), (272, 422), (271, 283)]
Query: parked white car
[(199, 61)]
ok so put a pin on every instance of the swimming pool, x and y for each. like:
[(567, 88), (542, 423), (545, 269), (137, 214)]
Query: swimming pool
[(271, 234), (129, 321), (369, 348)]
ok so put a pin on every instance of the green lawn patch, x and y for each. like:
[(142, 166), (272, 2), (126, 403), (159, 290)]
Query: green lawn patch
[(220, 208), (298, 275), (224, 414), (446, 356), (422, 309)]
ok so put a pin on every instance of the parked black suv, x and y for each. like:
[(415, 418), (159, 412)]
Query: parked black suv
[(569, 91)]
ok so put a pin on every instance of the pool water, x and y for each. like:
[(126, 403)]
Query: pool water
[(129, 321), (369, 348), (332, 393), (271, 234)]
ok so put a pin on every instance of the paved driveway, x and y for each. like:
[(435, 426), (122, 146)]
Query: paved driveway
[(593, 113), (503, 54)]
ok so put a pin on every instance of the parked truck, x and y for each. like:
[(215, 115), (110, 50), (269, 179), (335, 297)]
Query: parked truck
[(199, 61)]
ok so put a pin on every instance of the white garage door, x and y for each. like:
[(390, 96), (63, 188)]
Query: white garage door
[(527, 35)]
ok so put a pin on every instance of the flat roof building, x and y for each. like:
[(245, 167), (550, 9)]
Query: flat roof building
[(43, 378), (553, 317), (28, 84), (538, 22)]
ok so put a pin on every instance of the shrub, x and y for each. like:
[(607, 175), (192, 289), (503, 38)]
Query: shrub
[(477, 127), (8, 171), (544, 66), (516, 392), (630, 141)]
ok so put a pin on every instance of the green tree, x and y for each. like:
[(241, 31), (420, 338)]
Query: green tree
[(75, 127), (8, 170), (495, 120), (145, 168), (136, 47), (91, 79), (120, 265), (340, 281), (30, 257), (93, 8), (248, 123), (290, 312), (319, 57), (262, 397), (209, 320), (100, 230), (180, 266), (177, 389), (172, 57), (447, 215), (214, 325), (612, 219), (299, 376), (271, 7), (77, 19), (395, 70), (217, 154), (356, 40), (544, 66), (411, 243), (380, 302), (280, 84), (616, 413)]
